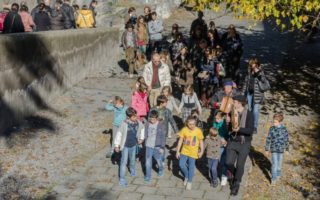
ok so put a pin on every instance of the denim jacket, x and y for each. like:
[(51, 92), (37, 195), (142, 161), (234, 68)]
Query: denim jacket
[(277, 140)]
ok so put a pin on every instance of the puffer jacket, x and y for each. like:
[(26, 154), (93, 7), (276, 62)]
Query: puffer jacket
[(121, 135), (155, 28), (27, 21), (258, 95), (68, 15), (57, 20), (85, 19), (164, 74), (277, 140)]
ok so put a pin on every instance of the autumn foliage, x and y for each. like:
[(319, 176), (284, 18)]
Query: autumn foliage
[(288, 14)]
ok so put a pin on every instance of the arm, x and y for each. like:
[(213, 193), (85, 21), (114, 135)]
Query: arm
[(167, 78), (248, 130), (201, 148), (181, 103), (174, 103), (286, 140), (109, 106), (31, 22), (123, 42), (179, 147), (151, 28), (198, 103), (172, 122)]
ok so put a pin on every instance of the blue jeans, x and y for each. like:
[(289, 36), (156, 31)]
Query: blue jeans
[(153, 153), (187, 170), (255, 108), (223, 161), (127, 152), (276, 161), (213, 164)]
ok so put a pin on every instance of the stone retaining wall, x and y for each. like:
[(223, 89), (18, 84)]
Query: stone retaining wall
[(36, 67)]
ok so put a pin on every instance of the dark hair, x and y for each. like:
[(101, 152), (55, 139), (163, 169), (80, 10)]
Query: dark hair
[(213, 33), (161, 99), (24, 8), (142, 87), (15, 7), (85, 7), (130, 112), (153, 114), (190, 118), (131, 9), (153, 13), (129, 25)]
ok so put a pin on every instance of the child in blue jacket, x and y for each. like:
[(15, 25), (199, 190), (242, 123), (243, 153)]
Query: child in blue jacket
[(117, 106), (277, 142)]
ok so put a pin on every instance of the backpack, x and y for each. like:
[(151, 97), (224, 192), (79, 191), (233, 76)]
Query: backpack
[(2, 18)]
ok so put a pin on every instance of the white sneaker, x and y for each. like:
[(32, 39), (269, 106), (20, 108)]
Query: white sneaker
[(224, 181), (189, 186), (185, 181)]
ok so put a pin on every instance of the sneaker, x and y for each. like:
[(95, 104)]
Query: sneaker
[(130, 75), (185, 181), (273, 183), (160, 174), (133, 174), (215, 183), (169, 136), (189, 186), (224, 181), (146, 180), (123, 183)]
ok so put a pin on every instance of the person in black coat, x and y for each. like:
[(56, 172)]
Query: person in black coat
[(57, 19), (13, 23), (239, 143), (68, 15), (42, 19)]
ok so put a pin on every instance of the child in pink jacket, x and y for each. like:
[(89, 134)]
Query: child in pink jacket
[(139, 101)]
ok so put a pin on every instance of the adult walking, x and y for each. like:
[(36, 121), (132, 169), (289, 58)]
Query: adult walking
[(156, 75), (155, 28), (239, 144), (13, 22), (254, 87)]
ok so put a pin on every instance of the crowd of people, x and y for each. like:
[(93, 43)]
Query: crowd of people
[(61, 16), (202, 69)]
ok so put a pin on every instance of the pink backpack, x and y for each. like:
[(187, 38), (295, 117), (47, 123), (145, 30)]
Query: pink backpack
[(2, 17)]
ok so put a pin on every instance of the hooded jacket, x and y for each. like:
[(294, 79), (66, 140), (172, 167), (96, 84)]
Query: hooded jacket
[(85, 19)]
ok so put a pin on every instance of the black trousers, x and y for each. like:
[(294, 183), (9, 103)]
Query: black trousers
[(237, 154)]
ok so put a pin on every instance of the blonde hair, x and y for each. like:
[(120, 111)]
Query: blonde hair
[(279, 117), (253, 61), (213, 132), (188, 88), (166, 88)]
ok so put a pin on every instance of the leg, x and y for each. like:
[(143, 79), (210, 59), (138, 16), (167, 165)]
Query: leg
[(158, 157), (183, 166), (152, 98), (213, 170), (256, 110), (223, 162), (132, 159), (149, 153), (274, 166), (249, 99), (210, 162), (280, 158), (191, 166), (231, 157), (157, 93), (131, 60), (241, 160), (123, 165)]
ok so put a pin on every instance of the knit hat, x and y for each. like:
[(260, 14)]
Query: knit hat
[(240, 98), (227, 82)]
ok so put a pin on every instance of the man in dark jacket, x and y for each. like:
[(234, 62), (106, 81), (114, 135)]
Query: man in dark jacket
[(13, 23), (239, 144), (37, 8), (42, 19), (57, 19), (68, 15)]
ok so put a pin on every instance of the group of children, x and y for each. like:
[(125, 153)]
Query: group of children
[(197, 68)]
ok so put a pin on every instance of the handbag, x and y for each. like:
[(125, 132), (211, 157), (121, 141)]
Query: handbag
[(264, 86)]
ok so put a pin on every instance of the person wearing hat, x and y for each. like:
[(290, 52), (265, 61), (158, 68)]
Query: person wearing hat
[(229, 89), (239, 143), (129, 43)]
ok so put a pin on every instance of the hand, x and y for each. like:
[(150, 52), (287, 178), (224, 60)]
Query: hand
[(236, 129), (200, 154), (228, 119), (149, 88), (110, 101), (140, 141), (117, 149), (178, 155), (224, 142), (287, 153), (267, 153), (161, 151)]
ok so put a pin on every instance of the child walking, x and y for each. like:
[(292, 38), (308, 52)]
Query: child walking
[(220, 123), (171, 105), (139, 101), (189, 102), (212, 145), (277, 142), (192, 139), (155, 141), (117, 106), (130, 133)]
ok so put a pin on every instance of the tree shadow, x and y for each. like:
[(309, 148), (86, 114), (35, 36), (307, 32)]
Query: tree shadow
[(34, 75), (98, 194), (123, 65), (259, 159), (173, 162)]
